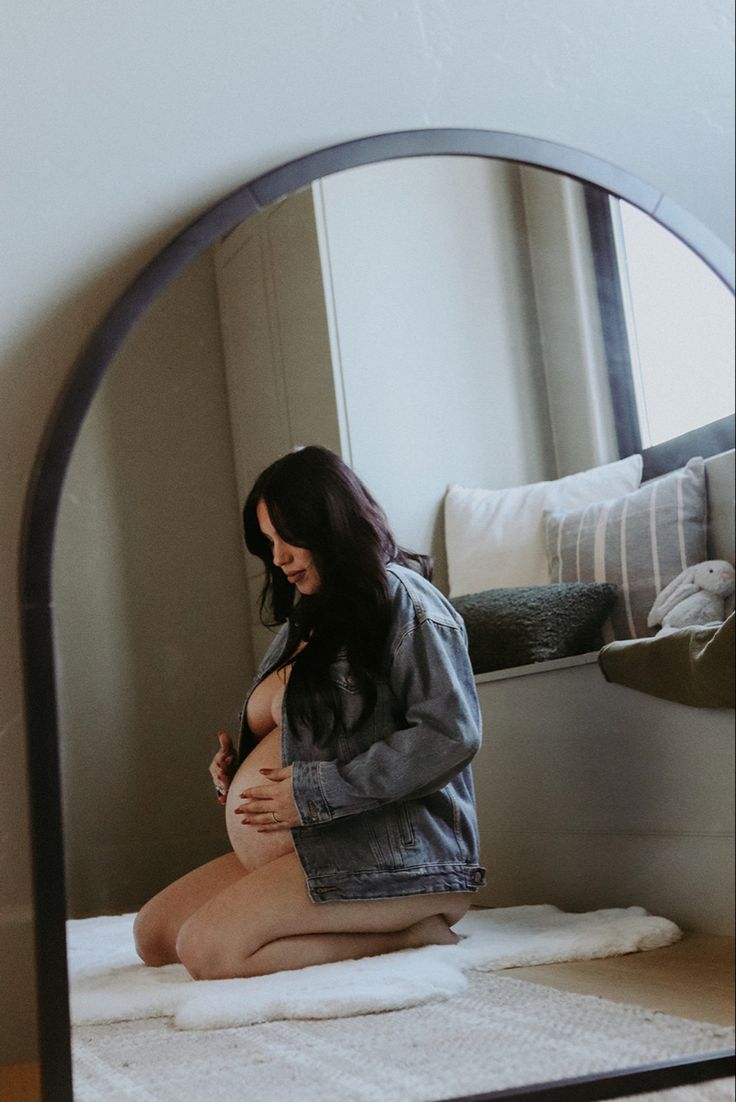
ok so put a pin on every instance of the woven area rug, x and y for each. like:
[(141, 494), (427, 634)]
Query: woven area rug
[(499, 1033), (109, 984)]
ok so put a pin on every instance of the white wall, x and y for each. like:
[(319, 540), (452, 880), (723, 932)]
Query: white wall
[(123, 120), (435, 335)]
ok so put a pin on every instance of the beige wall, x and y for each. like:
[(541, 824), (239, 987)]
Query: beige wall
[(575, 367), (151, 608), (123, 122)]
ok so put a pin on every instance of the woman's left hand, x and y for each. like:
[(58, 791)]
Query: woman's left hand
[(270, 807)]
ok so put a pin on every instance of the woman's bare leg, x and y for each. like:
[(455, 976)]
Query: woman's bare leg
[(158, 922), (265, 922), (306, 949)]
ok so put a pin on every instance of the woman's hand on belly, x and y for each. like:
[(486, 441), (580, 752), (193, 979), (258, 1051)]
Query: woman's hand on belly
[(270, 807), (252, 848), (222, 767)]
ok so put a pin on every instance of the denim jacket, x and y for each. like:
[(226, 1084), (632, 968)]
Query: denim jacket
[(388, 809)]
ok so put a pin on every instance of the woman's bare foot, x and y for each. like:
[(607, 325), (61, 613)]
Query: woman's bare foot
[(430, 931)]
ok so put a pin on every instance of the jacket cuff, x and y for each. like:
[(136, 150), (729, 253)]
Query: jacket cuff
[(309, 798)]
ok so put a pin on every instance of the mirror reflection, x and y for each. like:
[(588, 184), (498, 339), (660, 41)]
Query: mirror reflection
[(437, 323)]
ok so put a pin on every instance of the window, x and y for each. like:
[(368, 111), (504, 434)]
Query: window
[(680, 324), (668, 327)]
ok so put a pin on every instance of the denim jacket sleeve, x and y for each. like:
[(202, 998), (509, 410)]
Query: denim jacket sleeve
[(430, 675)]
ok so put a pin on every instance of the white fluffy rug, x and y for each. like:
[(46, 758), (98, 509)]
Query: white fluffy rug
[(109, 984)]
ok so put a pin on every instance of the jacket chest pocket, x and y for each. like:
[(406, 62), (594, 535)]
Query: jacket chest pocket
[(341, 675), (354, 723)]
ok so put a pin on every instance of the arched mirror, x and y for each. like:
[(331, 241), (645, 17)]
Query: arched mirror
[(439, 308)]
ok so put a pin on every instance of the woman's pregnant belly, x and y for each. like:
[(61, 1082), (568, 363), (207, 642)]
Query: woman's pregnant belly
[(251, 848)]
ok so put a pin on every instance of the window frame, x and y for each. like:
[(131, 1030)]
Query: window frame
[(705, 440)]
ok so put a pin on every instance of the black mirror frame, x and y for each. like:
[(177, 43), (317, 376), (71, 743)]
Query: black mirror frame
[(41, 509)]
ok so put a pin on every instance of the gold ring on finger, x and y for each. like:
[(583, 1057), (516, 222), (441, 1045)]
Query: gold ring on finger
[(275, 817)]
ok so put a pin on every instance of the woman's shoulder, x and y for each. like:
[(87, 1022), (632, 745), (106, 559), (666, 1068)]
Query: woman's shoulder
[(414, 596)]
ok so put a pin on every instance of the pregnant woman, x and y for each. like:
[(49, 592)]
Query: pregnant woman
[(349, 801)]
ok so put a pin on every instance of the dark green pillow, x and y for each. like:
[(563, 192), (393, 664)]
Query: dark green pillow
[(515, 627)]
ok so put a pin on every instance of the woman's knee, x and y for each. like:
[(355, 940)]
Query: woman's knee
[(153, 941), (207, 955), (201, 955)]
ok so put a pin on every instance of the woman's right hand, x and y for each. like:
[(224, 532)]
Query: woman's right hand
[(222, 767)]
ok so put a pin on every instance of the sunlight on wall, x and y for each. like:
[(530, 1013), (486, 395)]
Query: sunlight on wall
[(681, 332)]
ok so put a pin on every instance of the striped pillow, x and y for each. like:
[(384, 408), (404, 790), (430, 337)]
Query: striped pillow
[(640, 542)]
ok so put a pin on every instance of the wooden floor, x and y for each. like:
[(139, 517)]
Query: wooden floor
[(19, 1083), (692, 979)]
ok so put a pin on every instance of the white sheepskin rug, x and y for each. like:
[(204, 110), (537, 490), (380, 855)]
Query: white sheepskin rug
[(109, 984)]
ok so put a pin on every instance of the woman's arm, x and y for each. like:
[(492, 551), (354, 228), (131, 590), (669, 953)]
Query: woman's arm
[(431, 676)]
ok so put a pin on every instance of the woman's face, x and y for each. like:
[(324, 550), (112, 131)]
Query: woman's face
[(296, 562)]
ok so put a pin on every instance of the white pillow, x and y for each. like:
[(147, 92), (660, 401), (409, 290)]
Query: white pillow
[(495, 538)]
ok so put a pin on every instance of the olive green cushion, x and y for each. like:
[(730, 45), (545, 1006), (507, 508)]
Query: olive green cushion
[(526, 624), (693, 665)]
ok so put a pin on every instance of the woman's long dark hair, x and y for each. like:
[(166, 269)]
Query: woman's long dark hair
[(315, 501)]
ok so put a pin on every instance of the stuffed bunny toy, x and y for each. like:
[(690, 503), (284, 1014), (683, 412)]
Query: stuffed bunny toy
[(696, 596)]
